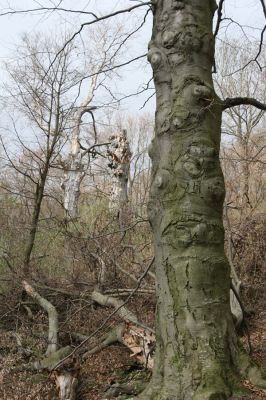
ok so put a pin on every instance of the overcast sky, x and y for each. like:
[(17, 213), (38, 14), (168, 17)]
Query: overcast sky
[(248, 13)]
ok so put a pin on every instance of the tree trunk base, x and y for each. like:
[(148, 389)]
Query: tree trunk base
[(217, 388)]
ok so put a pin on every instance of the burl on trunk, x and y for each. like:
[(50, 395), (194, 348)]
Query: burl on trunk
[(197, 356)]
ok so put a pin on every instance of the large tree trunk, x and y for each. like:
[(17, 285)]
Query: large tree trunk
[(74, 168), (197, 353)]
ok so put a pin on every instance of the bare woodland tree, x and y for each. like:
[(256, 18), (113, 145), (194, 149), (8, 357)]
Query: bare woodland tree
[(241, 125), (41, 106), (140, 133), (243, 122), (43, 99), (129, 162), (107, 48), (198, 355)]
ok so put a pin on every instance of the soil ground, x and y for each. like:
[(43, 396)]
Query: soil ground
[(112, 365)]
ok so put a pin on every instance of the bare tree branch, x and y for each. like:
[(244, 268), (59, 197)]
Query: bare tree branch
[(103, 71), (237, 101), (263, 7), (41, 9), (219, 17), (255, 59), (97, 19)]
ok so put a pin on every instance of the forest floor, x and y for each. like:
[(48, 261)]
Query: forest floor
[(111, 365)]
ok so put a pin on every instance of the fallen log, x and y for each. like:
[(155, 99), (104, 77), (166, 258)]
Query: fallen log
[(115, 335), (52, 317), (138, 340), (108, 301), (134, 335), (65, 376)]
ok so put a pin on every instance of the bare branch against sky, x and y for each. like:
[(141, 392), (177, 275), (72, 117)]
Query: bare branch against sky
[(234, 18)]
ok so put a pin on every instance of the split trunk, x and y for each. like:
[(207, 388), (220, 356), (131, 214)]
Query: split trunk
[(73, 175), (119, 155)]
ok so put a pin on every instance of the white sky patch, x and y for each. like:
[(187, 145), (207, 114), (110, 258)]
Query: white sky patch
[(135, 76)]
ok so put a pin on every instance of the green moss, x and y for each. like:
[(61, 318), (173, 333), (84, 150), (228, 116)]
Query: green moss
[(263, 370), (175, 360), (214, 385), (238, 389)]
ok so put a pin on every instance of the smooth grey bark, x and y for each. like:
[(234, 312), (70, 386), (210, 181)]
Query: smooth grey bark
[(197, 352)]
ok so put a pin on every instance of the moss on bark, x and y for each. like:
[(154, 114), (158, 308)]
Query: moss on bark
[(197, 354)]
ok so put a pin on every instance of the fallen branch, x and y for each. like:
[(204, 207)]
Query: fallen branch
[(52, 316), (122, 311), (134, 335), (126, 291), (139, 341), (48, 363), (65, 377), (108, 318), (115, 335)]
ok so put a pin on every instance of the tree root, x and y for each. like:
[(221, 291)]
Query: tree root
[(249, 370), (129, 388)]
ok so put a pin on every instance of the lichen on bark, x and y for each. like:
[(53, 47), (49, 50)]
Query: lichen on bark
[(197, 354)]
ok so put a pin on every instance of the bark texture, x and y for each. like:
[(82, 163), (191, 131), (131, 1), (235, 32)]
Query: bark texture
[(73, 175), (197, 353), (120, 155)]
